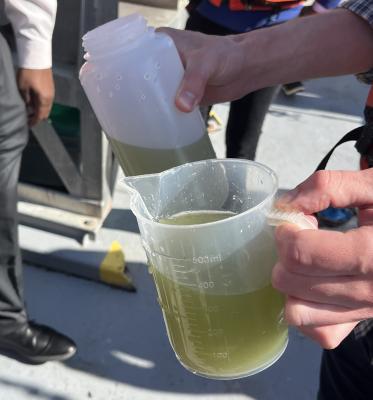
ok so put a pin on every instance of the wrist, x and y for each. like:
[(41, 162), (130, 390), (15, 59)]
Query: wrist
[(251, 59), (264, 58)]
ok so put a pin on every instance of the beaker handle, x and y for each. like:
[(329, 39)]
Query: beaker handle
[(276, 217)]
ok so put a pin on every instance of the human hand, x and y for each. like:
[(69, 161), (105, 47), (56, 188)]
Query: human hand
[(326, 275), (37, 90), (213, 68)]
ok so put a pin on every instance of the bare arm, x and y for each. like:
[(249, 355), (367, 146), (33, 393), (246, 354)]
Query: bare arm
[(225, 68), (330, 44)]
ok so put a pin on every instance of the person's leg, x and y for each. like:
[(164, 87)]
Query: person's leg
[(19, 337), (13, 138), (198, 23), (347, 371), (246, 117)]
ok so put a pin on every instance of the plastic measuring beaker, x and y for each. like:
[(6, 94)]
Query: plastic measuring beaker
[(204, 227)]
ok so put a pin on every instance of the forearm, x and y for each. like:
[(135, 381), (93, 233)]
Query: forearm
[(330, 44)]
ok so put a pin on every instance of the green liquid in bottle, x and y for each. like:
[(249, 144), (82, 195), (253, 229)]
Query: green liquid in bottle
[(136, 160), (222, 335)]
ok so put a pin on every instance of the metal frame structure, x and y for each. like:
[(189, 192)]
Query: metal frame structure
[(89, 179), (90, 185)]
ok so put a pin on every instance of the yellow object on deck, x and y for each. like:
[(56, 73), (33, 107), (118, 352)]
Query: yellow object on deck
[(216, 117), (112, 268)]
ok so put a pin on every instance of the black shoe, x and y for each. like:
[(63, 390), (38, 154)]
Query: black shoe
[(34, 343)]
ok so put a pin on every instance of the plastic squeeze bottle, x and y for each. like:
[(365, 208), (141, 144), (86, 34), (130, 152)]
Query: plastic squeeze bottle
[(131, 76)]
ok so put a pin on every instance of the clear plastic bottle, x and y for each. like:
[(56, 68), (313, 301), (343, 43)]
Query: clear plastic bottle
[(131, 76)]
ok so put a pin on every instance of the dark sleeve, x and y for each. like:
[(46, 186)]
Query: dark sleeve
[(364, 9)]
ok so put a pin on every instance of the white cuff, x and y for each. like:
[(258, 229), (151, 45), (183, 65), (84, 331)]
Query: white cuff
[(34, 54)]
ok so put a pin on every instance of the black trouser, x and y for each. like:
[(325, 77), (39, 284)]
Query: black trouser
[(347, 371), (246, 115), (13, 138)]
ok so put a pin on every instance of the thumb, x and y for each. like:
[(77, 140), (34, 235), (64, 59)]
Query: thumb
[(330, 188), (192, 86)]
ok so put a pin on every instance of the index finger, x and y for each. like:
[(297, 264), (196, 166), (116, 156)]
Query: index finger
[(330, 188)]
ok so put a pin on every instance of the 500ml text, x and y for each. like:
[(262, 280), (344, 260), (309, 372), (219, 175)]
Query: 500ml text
[(207, 259)]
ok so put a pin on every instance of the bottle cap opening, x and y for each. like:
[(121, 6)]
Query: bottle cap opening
[(113, 35)]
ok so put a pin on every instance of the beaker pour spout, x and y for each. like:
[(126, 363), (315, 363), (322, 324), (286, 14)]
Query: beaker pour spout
[(144, 191)]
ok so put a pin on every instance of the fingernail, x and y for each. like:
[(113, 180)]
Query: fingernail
[(187, 100)]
